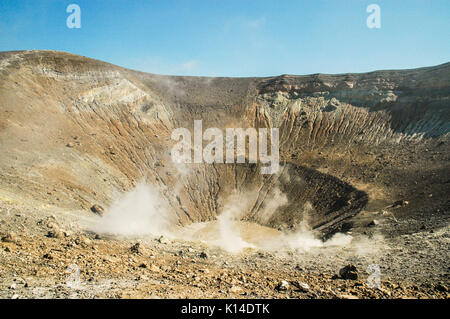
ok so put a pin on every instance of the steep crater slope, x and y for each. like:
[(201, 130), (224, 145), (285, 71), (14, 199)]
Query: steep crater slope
[(76, 131)]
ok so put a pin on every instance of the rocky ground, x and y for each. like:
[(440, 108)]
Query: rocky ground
[(42, 253)]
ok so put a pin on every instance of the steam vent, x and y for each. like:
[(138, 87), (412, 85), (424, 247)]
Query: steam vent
[(76, 132)]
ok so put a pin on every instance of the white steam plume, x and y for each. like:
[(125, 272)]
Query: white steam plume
[(139, 212), (230, 238)]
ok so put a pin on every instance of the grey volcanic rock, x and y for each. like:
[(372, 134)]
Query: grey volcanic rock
[(349, 272)]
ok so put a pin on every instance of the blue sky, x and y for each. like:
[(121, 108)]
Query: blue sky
[(235, 37)]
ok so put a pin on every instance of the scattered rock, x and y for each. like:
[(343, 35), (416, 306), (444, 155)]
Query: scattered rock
[(110, 259), (282, 286), (82, 240), (400, 203), (137, 249), (163, 240), (236, 289), (55, 233), (386, 213), (142, 277), (301, 286), (349, 272), (19, 280), (203, 255), (384, 291), (97, 209), (297, 267), (10, 237), (48, 256), (373, 223), (335, 102), (155, 268), (52, 225), (15, 296)]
